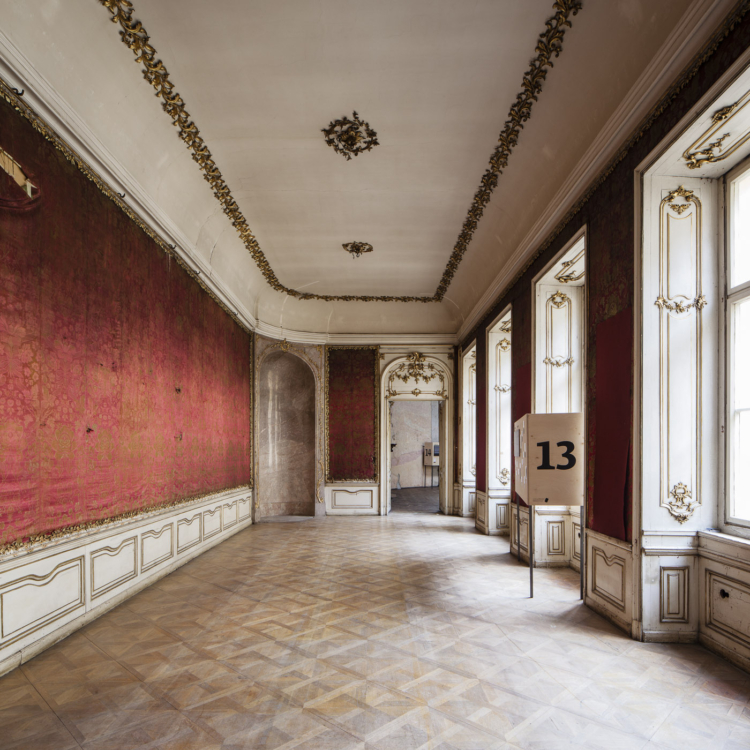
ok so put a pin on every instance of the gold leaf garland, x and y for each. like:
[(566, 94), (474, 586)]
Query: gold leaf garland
[(549, 46)]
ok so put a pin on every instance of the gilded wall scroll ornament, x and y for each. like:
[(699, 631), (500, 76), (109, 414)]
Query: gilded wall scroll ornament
[(350, 137), (681, 505), (548, 47), (707, 151), (678, 306), (502, 388), (357, 248), (416, 368), (505, 326), (504, 345), (566, 275), (505, 477), (679, 208), (558, 361), (559, 299)]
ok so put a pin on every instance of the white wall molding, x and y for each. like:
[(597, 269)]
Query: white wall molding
[(53, 589), (695, 28)]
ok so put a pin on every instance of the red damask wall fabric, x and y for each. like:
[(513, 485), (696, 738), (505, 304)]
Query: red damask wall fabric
[(352, 413), (613, 424), (122, 383)]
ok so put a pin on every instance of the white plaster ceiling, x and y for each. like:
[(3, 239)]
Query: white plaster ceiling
[(434, 78)]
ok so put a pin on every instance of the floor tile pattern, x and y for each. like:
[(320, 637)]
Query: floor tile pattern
[(400, 633)]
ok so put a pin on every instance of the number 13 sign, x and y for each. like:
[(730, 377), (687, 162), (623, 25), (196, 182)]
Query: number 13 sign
[(548, 451)]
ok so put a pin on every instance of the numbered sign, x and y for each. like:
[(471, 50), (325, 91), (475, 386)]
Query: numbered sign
[(548, 451)]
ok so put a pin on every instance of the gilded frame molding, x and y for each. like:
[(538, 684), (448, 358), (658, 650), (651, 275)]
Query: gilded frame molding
[(376, 375), (548, 46)]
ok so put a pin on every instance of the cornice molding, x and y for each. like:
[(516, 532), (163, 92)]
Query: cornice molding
[(674, 60), (548, 46)]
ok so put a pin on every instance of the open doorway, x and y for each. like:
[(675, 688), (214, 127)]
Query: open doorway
[(414, 427)]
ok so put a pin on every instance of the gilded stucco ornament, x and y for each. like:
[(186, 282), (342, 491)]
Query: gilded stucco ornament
[(504, 477), (504, 345), (350, 137), (549, 46), (357, 248), (558, 361), (681, 505), (707, 151), (559, 299)]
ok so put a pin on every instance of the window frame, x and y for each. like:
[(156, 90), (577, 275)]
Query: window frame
[(730, 296)]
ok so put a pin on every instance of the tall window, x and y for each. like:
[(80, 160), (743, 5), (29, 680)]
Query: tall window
[(738, 345)]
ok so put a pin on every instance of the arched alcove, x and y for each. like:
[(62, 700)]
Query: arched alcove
[(286, 436)]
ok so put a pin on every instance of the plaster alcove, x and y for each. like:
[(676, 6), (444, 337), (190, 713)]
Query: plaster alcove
[(286, 436)]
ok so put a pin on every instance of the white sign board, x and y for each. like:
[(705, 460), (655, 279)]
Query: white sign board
[(549, 453)]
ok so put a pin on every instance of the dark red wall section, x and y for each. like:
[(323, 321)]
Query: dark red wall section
[(352, 393), (122, 383)]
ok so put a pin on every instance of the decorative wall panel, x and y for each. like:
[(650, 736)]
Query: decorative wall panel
[(680, 304), (674, 594), (352, 401), (113, 566), (125, 384)]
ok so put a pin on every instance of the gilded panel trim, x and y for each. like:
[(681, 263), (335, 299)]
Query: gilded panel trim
[(676, 309), (376, 375), (548, 46), (211, 513)]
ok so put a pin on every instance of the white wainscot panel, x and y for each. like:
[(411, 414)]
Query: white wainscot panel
[(49, 590), (610, 578), (244, 508), (524, 531), (498, 512), (230, 514), (481, 521), (157, 546), (211, 522), (36, 597), (112, 566), (351, 499), (189, 532)]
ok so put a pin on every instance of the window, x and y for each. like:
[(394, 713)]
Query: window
[(738, 345)]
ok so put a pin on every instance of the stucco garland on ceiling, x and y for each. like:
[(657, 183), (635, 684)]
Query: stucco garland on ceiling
[(549, 46)]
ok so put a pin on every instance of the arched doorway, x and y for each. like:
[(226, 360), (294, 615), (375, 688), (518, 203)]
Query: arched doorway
[(286, 436)]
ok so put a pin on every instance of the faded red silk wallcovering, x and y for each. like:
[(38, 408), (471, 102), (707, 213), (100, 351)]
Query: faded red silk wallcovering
[(122, 383), (352, 391)]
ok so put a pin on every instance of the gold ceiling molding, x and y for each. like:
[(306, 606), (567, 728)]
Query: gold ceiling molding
[(739, 11), (13, 97), (350, 137), (549, 46)]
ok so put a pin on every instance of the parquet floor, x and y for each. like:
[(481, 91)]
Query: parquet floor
[(396, 633)]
